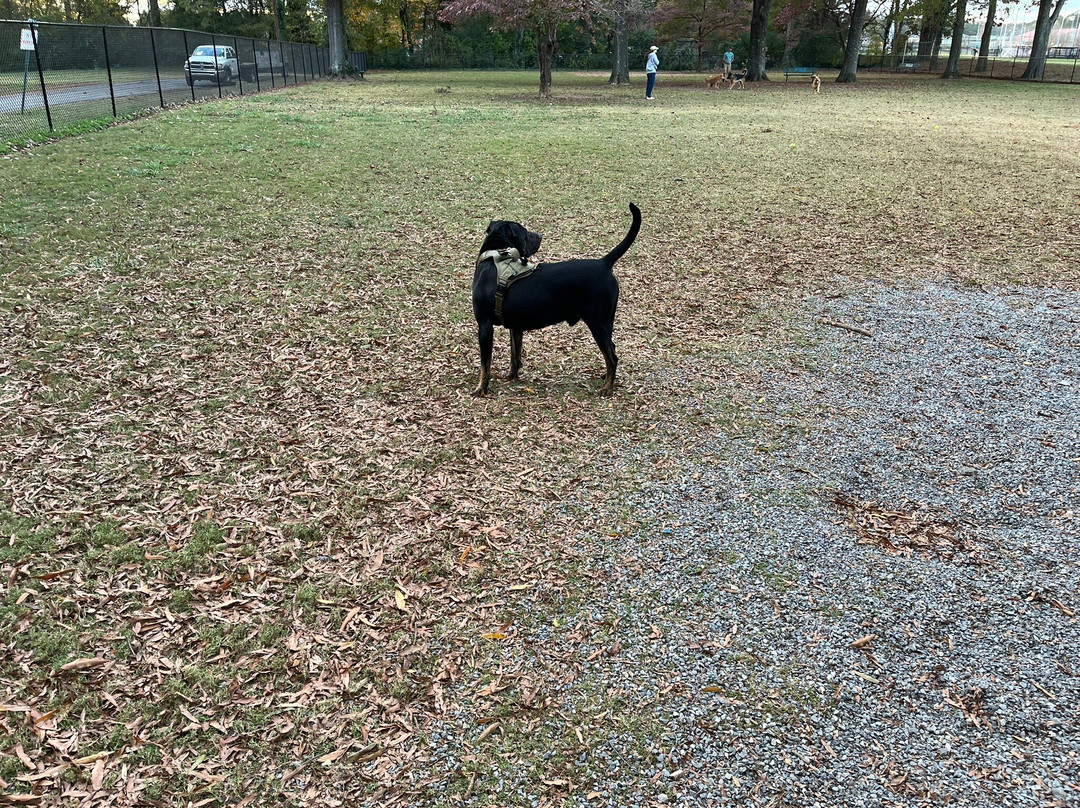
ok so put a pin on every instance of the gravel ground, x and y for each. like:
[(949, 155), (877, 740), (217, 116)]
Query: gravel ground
[(953, 436)]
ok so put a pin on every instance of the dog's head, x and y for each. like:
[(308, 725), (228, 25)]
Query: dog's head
[(511, 234)]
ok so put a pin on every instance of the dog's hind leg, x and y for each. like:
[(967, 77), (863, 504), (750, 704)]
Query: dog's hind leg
[(515, 353), (485, 335), (602, 334)]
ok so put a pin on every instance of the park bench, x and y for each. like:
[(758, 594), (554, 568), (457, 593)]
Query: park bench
[(799, 71)]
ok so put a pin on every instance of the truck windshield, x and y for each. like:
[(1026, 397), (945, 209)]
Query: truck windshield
[(208, 50)]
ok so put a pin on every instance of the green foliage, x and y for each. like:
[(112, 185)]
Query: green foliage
[(101, 12), (774, 44), (474, 43), (207, 15), (817, 50)]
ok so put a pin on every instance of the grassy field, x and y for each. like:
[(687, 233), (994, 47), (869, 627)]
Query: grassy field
[(257, 541)]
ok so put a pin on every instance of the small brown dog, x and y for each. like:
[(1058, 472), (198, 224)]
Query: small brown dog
[(815, 82), (714, 82), (737, 79)]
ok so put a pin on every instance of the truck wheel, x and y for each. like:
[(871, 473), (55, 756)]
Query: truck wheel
[(190, 80), (226, 77)]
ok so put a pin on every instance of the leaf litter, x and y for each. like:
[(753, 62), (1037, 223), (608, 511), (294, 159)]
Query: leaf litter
[(258, 540)]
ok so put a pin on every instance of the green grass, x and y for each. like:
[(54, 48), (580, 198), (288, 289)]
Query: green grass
[(243, 465)]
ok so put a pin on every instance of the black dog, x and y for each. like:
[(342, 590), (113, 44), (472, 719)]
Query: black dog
[(567, 291)]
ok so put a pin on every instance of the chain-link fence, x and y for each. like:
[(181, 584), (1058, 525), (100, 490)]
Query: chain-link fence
[(54, 76), (1062, 64)]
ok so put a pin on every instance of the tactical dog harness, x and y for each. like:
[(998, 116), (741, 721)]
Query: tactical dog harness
[(509, 269)]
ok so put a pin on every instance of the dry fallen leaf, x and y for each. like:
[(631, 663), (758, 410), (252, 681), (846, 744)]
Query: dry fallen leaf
[(862, 642), (97, 775), (83, 664)]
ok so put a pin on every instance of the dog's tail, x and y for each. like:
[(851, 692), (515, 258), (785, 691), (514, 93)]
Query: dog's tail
[(624, 245)]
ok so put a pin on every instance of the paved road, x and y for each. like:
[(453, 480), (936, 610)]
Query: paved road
[(82, 93)]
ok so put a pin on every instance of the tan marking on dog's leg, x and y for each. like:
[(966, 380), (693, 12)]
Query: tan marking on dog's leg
[(610, 363), (482, 387)]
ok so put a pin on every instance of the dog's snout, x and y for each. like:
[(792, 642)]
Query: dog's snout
[(533, 243)]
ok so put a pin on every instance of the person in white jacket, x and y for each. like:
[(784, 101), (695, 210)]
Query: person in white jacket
[(651, 64)]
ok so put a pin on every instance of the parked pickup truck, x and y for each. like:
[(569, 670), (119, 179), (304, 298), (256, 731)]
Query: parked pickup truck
[(216, 63), (219, 63)]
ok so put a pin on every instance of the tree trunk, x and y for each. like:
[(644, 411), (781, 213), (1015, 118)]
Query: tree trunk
[(620, 62), (154, 15), (335, 31), (277, 19), (1044, 24), (789, 43), (892, 31), (952, 66), (759, 27), (936, 50), (929, 33), (545, 53), (854, 39), (898, 44), (404, 16), (984, 43)]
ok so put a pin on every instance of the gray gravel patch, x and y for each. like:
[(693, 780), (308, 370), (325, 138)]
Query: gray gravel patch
[(732, 616)]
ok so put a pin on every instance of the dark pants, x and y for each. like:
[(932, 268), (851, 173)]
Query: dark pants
[(649, 86)]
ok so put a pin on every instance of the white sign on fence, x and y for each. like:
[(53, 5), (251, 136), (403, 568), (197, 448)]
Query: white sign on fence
[(26, 41)]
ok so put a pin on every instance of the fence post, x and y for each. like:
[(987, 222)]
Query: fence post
[(157, 70), (217, 67), (270, 63), (187, 58), (284, 72), (108, 68), (41, 73), (255, 59), (239, 66), (292, 51)]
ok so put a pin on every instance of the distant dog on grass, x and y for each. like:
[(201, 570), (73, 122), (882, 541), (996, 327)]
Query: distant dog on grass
[(737, 79), (815, 82), (715, 82)]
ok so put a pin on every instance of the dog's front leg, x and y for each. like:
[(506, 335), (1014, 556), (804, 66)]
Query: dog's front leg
[(485, 335), (515, 353)]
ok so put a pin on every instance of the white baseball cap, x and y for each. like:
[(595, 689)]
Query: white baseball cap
[(654, 48)]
